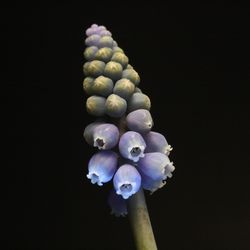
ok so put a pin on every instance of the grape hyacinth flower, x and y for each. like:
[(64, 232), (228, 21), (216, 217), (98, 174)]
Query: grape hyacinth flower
[(139, 159), (105, 136), (127, 181), (102, 167), (155, 168), (88, 132), (156, 142), (150, 184), (132, 146), (156, 165), (140, 121)]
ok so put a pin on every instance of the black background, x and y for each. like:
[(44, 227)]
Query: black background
[(194, 64)]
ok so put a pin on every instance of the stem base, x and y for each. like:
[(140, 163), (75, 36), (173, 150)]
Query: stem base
[(140, 222)]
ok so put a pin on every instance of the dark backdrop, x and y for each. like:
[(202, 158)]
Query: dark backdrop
[(194, 64)]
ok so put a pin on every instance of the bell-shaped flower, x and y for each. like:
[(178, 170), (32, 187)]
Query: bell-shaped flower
[(106, 136), (132, 146), (88, 132), (140, 121), (102, 167), (155, 168), (117, 204), (156, 142), (150, 184), (127, 181)]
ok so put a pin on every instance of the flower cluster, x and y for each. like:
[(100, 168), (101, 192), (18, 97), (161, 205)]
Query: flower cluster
[(136, 157)]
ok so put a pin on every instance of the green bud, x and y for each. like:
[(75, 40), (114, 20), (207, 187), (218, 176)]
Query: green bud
[(87, 85), (90, 52), (113, 70), (139, 101), (138, 90), (117, 49), (102, 86), (106, 41), (115, 106), (94, 68), (104, 54), (120, 58), (85, 68), (132, 75), (124, 88), (95, 105), (129, 66)]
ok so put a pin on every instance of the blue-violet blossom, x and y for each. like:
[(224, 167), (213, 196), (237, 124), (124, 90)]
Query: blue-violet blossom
[(132, 146), (127, 181), (102, 166), (156, 142), (155, 168), (140, 121), (106, 136)]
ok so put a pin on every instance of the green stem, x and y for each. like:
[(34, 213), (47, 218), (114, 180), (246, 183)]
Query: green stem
[(138, 213), (140, 222)]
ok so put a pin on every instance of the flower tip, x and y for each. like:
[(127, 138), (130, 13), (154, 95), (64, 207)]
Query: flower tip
[(171, 166), (168, 149), (99, 143), (94, 178), (123, 193)]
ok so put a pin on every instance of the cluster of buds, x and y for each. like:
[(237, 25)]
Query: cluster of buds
[(134, 157)]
